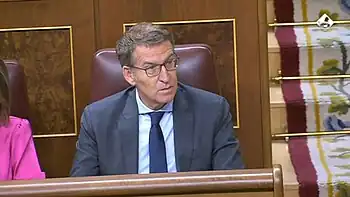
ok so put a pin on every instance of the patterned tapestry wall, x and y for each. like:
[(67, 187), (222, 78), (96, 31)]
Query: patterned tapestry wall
[(45, 54), (220, 36)]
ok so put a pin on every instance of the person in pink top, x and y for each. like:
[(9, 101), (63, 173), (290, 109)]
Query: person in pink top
[(18, 157)]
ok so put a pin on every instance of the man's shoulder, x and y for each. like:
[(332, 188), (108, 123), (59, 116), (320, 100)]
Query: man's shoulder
[(201, 96), (110, 102)]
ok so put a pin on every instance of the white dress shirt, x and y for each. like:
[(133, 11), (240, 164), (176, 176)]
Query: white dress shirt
[(166, 124)]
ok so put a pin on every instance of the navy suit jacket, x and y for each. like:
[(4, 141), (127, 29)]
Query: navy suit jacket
[(203, 134)]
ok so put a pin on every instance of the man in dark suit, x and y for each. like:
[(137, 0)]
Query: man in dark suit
[(157, 125)]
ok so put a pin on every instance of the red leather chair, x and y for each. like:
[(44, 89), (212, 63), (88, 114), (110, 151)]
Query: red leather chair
[(196, 68), (18, 89)]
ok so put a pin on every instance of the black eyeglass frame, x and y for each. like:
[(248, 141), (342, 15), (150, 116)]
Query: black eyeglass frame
[(147, 70)]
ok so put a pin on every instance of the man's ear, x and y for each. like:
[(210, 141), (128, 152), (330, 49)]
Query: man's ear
[(128, 75)]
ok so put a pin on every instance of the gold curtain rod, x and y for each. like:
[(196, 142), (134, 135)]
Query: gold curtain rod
[(279, 136), (280, 78), (305, 23)]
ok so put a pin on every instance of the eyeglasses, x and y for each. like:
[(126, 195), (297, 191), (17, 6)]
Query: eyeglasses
[(153, 70)]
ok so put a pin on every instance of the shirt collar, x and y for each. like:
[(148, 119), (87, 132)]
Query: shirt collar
[(143, 109)]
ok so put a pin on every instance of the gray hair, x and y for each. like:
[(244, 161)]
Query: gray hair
[(141, 34)]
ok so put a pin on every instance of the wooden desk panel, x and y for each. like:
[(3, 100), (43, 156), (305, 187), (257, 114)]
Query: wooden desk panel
[(244, 182)]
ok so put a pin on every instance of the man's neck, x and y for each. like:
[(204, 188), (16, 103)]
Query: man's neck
[(143, 106)]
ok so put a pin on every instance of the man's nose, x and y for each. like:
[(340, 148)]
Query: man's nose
[(164, 74)]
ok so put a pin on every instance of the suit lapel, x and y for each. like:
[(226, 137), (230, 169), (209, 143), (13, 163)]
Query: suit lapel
[(128, 128), (183, 131)]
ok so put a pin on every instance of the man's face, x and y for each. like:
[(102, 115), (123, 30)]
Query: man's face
[(155, 91)]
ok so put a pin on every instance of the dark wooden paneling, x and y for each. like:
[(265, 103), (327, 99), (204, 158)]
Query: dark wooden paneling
[(46, 58), (114, 13)]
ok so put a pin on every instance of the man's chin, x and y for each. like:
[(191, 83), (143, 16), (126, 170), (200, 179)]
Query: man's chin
[(165, 98)]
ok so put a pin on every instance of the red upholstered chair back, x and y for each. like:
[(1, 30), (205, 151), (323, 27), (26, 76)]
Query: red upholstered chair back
[(196, 68), (18, 89)]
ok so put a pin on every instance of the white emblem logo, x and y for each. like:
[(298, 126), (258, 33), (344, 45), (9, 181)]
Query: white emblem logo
[(325, 21)]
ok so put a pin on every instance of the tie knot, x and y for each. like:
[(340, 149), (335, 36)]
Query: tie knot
[(155, 117)]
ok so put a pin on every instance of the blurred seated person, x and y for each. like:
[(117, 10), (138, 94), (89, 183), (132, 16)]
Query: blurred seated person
[(157, 125), (18, 157)]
